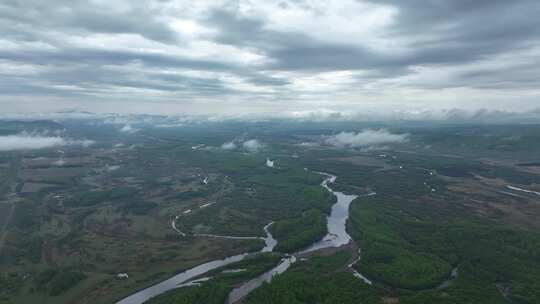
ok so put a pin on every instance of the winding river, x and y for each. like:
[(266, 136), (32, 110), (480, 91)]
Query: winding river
[(337, 236), (336, 222), (176, 281)]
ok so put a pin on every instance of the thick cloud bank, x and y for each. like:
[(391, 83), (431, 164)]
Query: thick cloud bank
[(253, 56), (28, 141), (366, 138)]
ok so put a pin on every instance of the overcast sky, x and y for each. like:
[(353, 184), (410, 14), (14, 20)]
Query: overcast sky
[(295, 56)]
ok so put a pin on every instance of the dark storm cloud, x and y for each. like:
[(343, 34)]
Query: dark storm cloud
[(455, 32), (266, 80), (70, 55), (10, 86), (469, 28), (467, 20), (90, 71), (519, 76), (89, 78)]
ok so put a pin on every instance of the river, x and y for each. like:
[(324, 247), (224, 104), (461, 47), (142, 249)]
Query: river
[(336, 222), (336, 236), (176, 281)]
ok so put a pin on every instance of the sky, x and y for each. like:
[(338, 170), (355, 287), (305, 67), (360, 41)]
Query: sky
[(248, 57)]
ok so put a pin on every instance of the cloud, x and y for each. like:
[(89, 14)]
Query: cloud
[(173, 125), (29, 141), (252, 145), (307, 144), (363, 139), (230, 145), (127, 128), (112, 167), (59, 162), (81, 142)]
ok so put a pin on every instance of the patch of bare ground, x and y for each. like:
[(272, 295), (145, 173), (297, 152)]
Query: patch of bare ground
[(52, 174), (489, 197), (514, 164), (390, 300), (4, 230), (34, 187), (504, 290), (4, 212), (364, 161), (48, 254), (530, 169)]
